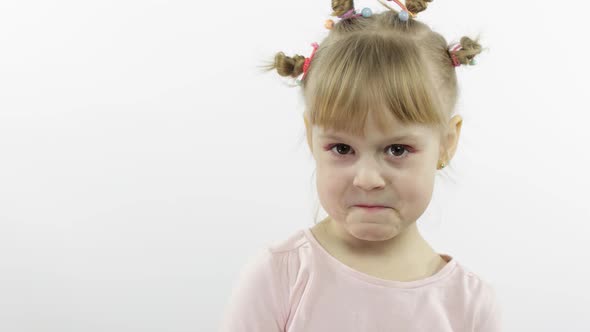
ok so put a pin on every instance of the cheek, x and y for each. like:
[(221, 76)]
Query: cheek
[(330, 188), (329, 181), (416, 187)]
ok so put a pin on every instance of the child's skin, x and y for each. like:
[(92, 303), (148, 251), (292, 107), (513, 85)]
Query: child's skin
[(384, 243)]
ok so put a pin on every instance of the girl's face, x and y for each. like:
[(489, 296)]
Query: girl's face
[(378, 169)]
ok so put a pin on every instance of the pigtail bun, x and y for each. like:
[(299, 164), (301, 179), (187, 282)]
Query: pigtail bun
[(469, 49), (287, 66), (416, 6), (340, 7)]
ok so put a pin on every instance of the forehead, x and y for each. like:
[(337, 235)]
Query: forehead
[(392, 131), (412, 135), (404, 135)]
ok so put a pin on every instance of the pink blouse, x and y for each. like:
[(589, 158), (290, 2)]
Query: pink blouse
[(297, 286)]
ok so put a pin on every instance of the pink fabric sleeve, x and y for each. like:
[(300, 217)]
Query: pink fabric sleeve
[(258, 299), (490, 315)]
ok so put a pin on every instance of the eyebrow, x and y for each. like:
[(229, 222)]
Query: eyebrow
[(398, 137)]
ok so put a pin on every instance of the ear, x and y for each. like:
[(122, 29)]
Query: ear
[(450, 142), (308, 130)]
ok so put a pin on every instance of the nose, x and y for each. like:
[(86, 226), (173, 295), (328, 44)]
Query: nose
[(368, 177)]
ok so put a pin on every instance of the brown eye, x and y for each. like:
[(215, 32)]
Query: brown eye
[(341, 148), (398, 150)]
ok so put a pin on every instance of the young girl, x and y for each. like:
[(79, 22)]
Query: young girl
[(380, 92)]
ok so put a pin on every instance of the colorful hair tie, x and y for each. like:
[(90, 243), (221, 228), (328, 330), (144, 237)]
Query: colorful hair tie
[(456, 62), (308, 62), (366, 12), (403, 15), (350, 14)]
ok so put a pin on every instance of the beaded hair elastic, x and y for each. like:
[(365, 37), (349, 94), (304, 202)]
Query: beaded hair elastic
[(403, 15), (453, 52), (308, 60)]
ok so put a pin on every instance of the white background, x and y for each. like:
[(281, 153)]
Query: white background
[(144, 158)]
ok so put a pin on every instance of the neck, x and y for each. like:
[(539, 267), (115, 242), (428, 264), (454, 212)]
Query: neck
[(408, 247)]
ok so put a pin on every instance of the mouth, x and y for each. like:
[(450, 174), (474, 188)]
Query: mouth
[(372, 206)]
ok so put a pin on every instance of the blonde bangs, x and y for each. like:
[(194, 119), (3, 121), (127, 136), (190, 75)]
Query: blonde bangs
[(354, 76)]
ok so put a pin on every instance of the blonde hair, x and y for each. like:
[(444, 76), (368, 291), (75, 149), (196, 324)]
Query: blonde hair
[(379, 63)]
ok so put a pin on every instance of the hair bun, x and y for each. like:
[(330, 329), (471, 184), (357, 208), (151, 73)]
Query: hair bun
[(340, 7), (469, 49), (416, 6), (288, 66)]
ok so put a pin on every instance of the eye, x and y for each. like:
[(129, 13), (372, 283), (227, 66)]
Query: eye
[(399, 151)]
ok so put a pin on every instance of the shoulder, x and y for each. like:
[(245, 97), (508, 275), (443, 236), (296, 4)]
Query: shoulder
[(484, 300), (292, 243), (261, 296), (280, 261), (474, 282), (279, 252)]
